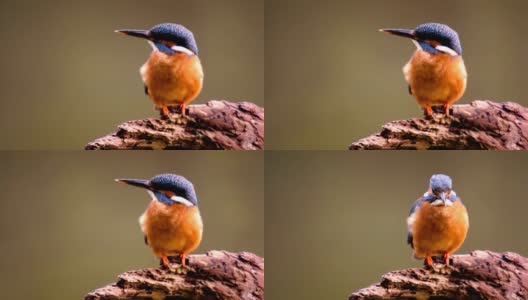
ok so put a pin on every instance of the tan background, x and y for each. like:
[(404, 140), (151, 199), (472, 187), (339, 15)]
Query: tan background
[(67, 78), (332, 78), (336, 221), (67, 228)]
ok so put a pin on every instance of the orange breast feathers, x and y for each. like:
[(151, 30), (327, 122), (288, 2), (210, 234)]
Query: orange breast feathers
[(436, 79), (438, 230), (172, 79), (171, 229)]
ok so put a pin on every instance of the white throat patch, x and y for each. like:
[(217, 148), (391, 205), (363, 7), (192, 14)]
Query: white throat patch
[(439, 202), (417, 44), (153, 46)]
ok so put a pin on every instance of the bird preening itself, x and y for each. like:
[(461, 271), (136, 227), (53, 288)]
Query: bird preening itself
[(436, 73), (172, 224), (173, 74), (438, 222)]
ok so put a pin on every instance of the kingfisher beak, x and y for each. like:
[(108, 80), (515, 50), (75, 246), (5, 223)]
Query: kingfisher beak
[(443, 196), (408, 33), (137, 33), (135, 182)]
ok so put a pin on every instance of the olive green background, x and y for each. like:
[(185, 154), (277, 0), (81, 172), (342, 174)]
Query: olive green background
[(67, 228), (336, 221), (67, 78), (332, 78)]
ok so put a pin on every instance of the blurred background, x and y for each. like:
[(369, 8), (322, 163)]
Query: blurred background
[(66, 225), (67, 78), (336, 222), (332, 78)]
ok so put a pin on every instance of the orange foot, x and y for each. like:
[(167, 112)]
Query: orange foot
[(446, 258), (446, 108), (165, 111), (182, 109), (182, 259), (165, 261), (428, 111), (428, 261)]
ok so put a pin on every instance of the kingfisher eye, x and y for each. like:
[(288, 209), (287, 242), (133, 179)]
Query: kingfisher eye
[(432, 43), (169, 194), (168, 43)]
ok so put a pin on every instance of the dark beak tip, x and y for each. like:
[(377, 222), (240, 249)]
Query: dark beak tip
[(407, 33), (144, 34), (134, 182)]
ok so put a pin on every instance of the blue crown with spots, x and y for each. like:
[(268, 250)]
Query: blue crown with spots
[(441, 33), (174, 33), (177, 184), (440, 183)]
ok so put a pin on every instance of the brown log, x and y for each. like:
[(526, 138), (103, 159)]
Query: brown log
[(216, 125), (480, 125), (478, 275), (214, 276)]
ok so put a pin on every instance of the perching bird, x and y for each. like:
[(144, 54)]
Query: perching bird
[(173, 73), (436, 73), (171, 223), (438, 222)]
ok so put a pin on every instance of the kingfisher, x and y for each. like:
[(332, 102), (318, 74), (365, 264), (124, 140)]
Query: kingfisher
[(173, 74), (436, 74), (171, 224), (438, 222)]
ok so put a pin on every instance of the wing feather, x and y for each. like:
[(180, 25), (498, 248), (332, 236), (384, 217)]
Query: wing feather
[(410, 220)]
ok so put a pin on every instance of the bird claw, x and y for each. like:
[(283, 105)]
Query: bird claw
[(178, 269), (174, 118), (438, 116), (442, 119), (174, 115), (178, 119), (442, 269), (175, 265), (439, 268)]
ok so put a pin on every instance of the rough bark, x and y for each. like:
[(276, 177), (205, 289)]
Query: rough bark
[(479, 275), (481, 125), (213, 276), (216, 125)]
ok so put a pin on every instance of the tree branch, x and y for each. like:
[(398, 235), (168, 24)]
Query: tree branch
[(216, 125), (481, 125), (478, 275), (214, 276)]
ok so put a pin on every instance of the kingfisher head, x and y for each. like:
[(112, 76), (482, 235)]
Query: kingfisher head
[(441, 190), (168, 38), (434, 38), (167, 188)]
